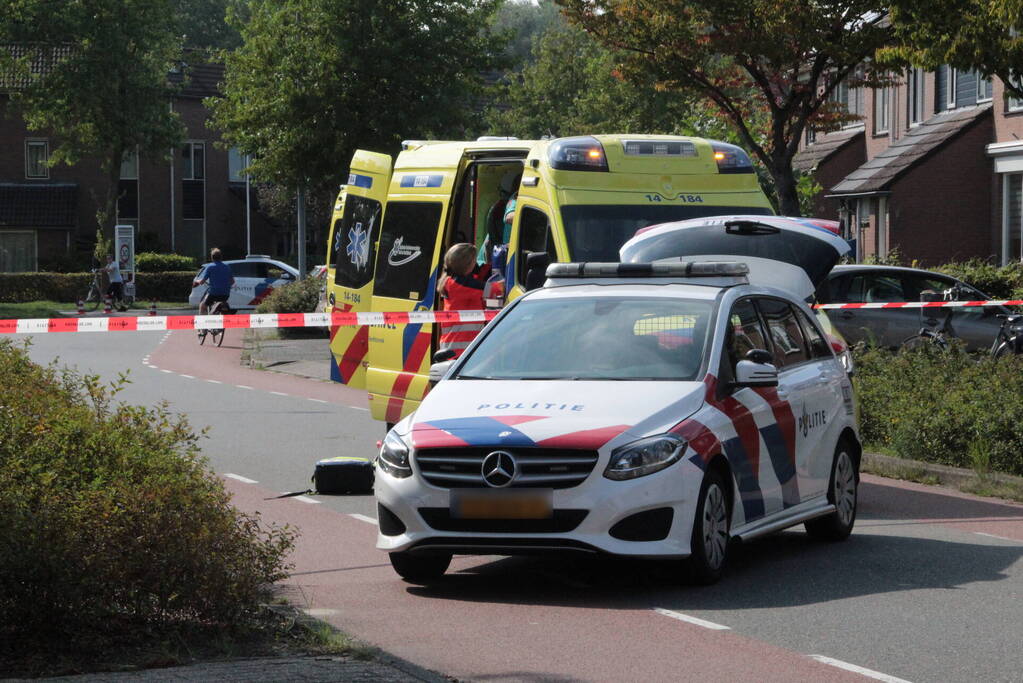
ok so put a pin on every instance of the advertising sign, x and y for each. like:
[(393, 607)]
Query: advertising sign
[(124, 248)]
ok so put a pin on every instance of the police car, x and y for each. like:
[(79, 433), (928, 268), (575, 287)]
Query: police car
[(660, 407), (255, 277)]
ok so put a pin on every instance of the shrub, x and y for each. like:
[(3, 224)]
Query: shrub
[(999, 282), (950, 408), (302, 296), (114, 528), (17, 288), (151, 262)]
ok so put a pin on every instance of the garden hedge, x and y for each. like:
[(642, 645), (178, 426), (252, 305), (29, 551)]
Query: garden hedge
[(16, 288), (114, 528)]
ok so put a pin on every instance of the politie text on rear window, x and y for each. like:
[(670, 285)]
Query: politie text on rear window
[(406, 249), (354, 247)]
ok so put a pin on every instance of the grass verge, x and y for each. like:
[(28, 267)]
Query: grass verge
[(968, 481), (52, 309)]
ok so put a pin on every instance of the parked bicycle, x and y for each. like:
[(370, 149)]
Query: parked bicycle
[(1010, 336), (95, 296), (941, 336)]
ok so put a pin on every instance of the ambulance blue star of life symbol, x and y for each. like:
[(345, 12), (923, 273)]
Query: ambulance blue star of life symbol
[(358, 246)]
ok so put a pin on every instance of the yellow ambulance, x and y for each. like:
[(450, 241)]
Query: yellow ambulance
[(576, 199)]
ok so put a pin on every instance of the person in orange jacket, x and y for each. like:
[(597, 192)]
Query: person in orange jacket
[(462, 290)]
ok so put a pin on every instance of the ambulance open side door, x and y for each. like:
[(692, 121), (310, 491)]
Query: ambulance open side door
[(354, 248)]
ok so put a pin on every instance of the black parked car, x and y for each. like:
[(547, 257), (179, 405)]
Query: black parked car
[(977, 326)]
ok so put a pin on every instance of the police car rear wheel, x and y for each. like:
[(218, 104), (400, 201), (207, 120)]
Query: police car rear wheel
[(842, 493), (710, 531), (418, 568)]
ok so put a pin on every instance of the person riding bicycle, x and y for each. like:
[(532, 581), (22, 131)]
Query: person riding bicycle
[(220, 279)]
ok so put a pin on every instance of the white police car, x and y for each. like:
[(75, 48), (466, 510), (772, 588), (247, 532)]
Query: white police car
[(638, 409), (255, 277)]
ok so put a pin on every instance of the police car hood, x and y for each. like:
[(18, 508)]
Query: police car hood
[(794, 254), (550, 414)]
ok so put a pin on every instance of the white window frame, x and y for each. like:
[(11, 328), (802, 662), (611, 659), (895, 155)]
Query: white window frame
[(915, 97), (981, 81), (131, 156), (31, 142), (950, 94), (882, 114), (35, 245), (190, 146), (1014, 103)]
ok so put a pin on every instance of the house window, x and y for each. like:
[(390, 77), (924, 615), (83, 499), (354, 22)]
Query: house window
[(914, 96), (17, 251), (1014, 103), (1012, 225), (130, 166), (236, 163), (37, 153), (984, 89), (851, 99), (193, 156), (881, 110), (951, 81), (811, 135)]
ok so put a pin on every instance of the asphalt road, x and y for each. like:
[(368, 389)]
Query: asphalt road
[(928, 588)]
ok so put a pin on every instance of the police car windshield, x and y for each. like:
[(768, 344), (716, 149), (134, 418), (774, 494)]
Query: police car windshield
[(597, 232), (594, 338)]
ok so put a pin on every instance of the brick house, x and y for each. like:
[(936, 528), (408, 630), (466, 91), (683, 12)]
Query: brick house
[(186, 204), (942, 174)]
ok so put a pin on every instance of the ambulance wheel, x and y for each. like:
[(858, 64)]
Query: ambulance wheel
[(842, 493), (419, 568), (709, 544)]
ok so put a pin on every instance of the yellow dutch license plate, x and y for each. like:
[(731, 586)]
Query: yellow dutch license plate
[(473, 504)]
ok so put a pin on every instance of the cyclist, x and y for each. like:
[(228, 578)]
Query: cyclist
[(220, 278), (116, 289)]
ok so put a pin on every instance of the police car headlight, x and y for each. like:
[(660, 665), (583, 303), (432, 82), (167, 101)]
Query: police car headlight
[(644, 457), (394, 457)]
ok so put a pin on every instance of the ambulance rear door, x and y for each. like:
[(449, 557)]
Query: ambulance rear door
[(353, 247), (407, 271)]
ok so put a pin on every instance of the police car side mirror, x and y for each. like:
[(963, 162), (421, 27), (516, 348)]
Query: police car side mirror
[(438, 370), (754, 373), (443, 355)]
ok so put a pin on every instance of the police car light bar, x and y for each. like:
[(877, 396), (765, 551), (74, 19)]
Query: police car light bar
[(659, 269)]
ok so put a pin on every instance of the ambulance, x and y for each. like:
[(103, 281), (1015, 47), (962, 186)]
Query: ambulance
[(576, 199)]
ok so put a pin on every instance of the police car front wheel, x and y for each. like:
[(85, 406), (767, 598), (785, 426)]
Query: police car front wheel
[(420, 568), (710, 531), (842, 493)]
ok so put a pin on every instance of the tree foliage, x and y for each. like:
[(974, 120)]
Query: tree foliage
[(522, 22), (316, 79), (776, 61), (95, 79), (203, 23), (985, 35)]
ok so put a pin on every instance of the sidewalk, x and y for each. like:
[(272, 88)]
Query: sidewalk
[(301, 357)]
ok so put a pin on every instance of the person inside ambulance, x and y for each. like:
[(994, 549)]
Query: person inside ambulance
[(462, 290)]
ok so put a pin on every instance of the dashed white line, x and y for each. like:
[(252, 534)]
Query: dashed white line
[(242, 386), (318, 400), (869, 673), (1000, 538), (240, 478), (278, 393), (214, 381), (167, 371), (306, 499), (358, 408), (188, 376), (691, 620), (363, 518)]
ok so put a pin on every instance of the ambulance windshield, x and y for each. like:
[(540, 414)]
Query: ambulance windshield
[(596, 232), (594, 338)]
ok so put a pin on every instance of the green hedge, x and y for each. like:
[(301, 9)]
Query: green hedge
[(151, 262), (16, 288), (999, 282), (296, 297), (949, 408), (114, 529)]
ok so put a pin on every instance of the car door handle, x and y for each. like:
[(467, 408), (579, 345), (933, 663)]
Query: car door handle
[(782, 392), (846, 315)]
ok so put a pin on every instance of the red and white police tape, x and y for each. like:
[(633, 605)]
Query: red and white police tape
[(263, 320), (236, 321)]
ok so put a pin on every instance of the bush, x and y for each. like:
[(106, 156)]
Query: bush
[(999, 282), (114, 528), (302, 296), (150, 262), (950, 408), (17, 288)]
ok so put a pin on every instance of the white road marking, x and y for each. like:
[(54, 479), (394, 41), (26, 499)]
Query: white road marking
[(1000, 538), (358, 408), (214, 381), (240, 478), (278, 393), (167, 371), (363, 518), (692, 620), (188, 376), (306, 499), (318, 400), (242, 386), (877, 675)]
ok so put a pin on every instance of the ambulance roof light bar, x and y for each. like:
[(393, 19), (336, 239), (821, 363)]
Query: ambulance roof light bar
[(577, 154), (677, 269)]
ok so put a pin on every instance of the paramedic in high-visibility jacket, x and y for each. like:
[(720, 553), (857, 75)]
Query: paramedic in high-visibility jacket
[(462, 290)]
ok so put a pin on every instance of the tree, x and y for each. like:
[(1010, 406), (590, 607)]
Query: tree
[(316, 79), (103, 90), (571, 87), (523, 21), (985, 35), (203, 24), (771, 60)]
